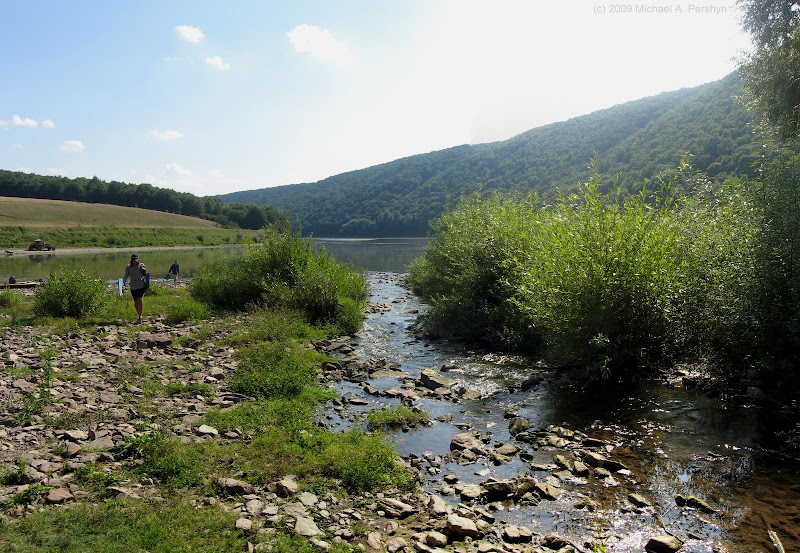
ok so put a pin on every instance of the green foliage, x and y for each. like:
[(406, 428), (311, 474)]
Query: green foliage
[(397, 416), (171, 526), (285, 273), (15, 477), (28, 495), (639, 139), (97, 478), (71, 293), (191, 389), (770, 71), (187, 309), (9, 298), (600, 283), (172, 463), (272, 369)]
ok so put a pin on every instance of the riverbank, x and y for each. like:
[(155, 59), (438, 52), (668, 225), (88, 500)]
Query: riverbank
[(91, 250)]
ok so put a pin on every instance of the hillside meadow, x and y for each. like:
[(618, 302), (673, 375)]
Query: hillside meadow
[(83, 225)]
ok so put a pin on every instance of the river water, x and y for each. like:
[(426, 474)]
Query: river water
[(673, 440)]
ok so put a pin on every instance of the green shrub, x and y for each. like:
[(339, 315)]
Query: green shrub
[(270, 370), (397, 416), (71, 293), (363, 462), (187, 309), (9, 298), (191, 389)]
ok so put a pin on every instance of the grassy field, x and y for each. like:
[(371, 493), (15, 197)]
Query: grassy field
[(82, 225), (29, 212)]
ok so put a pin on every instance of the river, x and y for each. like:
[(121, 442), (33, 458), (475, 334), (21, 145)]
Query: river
[(673, 440)]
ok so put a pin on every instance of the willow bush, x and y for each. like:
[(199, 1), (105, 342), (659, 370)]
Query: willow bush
[(592, 281)]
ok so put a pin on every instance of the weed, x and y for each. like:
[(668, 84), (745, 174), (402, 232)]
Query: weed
[(28, 495), (191, 389), (397, 416), (71, 293), (16, 477), (187, 309)]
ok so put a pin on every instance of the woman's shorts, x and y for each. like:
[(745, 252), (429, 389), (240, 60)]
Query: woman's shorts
[(137, 293)]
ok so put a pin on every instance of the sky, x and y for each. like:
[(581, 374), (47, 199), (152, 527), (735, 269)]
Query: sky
[(211, 97)]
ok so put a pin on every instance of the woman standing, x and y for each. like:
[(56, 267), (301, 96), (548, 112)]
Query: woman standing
[(136, 272)]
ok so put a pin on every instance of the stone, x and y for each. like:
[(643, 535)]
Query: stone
[(148, 340), (498, 489), (244, 524), (286, 487), (469, 492), (395, 508), (436, 539), (71, 450), (699, 504), (465, 441), (433, 380), (547, 491), (554, 541), (396, 544), (374, 541), (254, 506), (58, 495), (205, 430), (437, 506), (638, 500), (306, 527), (462, 527), (594, 459), (234, 486), (663, 544), (308, 499), (517, 534), (76, 435), (517, 425)]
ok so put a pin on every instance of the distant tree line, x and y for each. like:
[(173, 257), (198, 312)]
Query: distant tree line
[(234, 215)]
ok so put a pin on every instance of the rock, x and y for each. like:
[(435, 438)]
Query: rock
[(76, 435), (308, 499), (234, 486), (396, 544), (286, 487), (437, 506), (663, 544), (517, 425), (462, 527), (547, 491), (580, 469), (498, 489), (374, 541), (244, 524), (554, 541), (395, 508), (638, 500), (205, 430), (699, 504), (306, 527), (517, 534), (436, 539), (71, 450), (594, 459), (465, 441), (531, 381), (254, 506), (58, 495), (469, 492), (433, 380), (147, 340)]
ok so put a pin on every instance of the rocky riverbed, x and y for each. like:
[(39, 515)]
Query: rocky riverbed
[(509, 486)]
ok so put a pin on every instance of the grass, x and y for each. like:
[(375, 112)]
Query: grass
[(397, 416)]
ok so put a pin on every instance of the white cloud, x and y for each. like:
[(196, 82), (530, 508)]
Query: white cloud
[(18, 121), (3, 123), (56, 171), (320, 43), (151, 179), (48, 124), (165, 135), (216, 176), (217, 62), (189, 33), (72, 146), (178, 169)]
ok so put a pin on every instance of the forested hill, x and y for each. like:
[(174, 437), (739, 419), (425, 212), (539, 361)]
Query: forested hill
[(638, 139)]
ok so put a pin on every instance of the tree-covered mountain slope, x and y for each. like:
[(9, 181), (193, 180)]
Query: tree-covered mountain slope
[(638, 140)]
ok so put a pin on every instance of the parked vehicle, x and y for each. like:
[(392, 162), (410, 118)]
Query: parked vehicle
[(39, 246)]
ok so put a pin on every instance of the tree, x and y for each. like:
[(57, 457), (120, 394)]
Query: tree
[(772, 70)]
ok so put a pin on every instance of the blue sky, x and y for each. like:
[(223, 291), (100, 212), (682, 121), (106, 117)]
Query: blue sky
[(213, 97)]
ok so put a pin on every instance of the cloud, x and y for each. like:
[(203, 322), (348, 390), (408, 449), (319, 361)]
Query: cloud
[(165, 135), (72, 146), (18, 121), (151, 179), (3, 123), (56, 171), (217, 62), (48, 124), (216, 176), (189, 33), (178, 169), (321, 44)]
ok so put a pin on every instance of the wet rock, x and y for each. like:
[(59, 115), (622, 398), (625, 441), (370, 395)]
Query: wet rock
[(432, 380), (699, 504), (465, 441), (517, 534), (517, 425), (580, 469), (547, 491), (498, 489), (469, 492), (594, 459), (663, 544), (554, 541), (638, 500), (532, 381)]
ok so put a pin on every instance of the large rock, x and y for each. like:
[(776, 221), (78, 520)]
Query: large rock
[(306, 527), (147, 340), (58, 495), (433, 380), (663, 544), (517, 425), (231, 485), (395, 508), (499, 489), (462, 527), (465, 440), (286, 487), (517, 534), (547, 491)]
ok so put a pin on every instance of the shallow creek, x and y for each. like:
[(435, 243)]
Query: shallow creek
[(673, 441)]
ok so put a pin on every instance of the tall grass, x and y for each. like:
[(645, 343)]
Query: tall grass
[(593, 281), (286, 272)]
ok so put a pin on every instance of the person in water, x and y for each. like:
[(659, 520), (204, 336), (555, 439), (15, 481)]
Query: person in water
[(136, 271), (174, 270)]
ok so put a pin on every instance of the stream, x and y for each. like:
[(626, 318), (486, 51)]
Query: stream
[(672, 440)]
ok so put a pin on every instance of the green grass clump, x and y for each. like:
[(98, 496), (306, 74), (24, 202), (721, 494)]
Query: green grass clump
[(397, 416), (99, 479), (274, 369), (71, 293), (171, 526), (9, 298), (187, 309), (285, 272), (190, 389), (172, 463)]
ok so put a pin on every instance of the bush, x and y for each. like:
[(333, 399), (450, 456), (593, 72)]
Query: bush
[(187, 309), (285, 272), (270, 370), (397, 416), (71, 293), (9, 298), (363, 462)]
